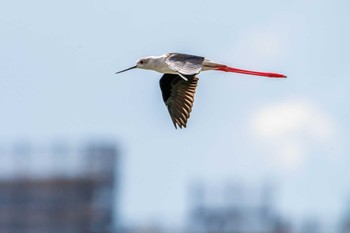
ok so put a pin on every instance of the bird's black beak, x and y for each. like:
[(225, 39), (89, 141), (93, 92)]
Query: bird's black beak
[(126, 70)]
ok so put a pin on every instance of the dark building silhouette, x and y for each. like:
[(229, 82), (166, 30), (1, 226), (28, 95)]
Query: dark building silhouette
[(234, 209), (74, 193)]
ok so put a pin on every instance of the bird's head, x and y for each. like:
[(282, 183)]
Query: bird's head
[(143, 63)]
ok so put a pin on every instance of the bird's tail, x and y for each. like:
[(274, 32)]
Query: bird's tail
[(235, 70)]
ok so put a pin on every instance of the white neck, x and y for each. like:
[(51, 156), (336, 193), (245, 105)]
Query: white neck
[(157, 63)]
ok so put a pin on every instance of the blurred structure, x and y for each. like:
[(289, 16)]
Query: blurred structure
[(61, 189), (345, 222), (346, 226), (235, 209), (311, 226)]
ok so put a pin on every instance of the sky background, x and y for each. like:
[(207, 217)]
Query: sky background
[(57, 65)]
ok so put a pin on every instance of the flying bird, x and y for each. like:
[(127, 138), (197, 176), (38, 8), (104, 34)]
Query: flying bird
[(179, 81)]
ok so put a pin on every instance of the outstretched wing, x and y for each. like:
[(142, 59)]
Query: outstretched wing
[(184, 64), (178, 96)]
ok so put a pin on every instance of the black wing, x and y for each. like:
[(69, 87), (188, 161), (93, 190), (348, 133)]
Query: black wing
[(178, 96), (185, 64)]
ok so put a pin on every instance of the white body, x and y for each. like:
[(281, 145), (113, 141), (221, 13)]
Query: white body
[(159, 64)]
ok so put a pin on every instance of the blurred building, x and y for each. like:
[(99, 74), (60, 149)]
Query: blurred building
[(345, 221), (311, 226), (346, 226), (59, 188), (234, 209)]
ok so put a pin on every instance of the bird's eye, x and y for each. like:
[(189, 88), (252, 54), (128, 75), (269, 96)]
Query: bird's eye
[(141, 62)]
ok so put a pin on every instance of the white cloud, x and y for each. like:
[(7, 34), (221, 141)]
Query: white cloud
[(289, 130)]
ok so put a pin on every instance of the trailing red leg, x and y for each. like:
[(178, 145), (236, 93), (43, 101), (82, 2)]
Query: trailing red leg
[(265, 74)]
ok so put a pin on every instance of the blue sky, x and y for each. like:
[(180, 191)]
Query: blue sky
[(57, 67)]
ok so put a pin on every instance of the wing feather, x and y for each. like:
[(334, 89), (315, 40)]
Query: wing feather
[(185, 64), (178, 96)]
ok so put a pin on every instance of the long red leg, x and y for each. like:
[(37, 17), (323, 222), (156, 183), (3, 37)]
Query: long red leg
[(265, 74)]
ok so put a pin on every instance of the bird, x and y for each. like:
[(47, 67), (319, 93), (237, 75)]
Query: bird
[(179, 81)]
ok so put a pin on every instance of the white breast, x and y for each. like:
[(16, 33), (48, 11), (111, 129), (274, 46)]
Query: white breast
[(161, 66)]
